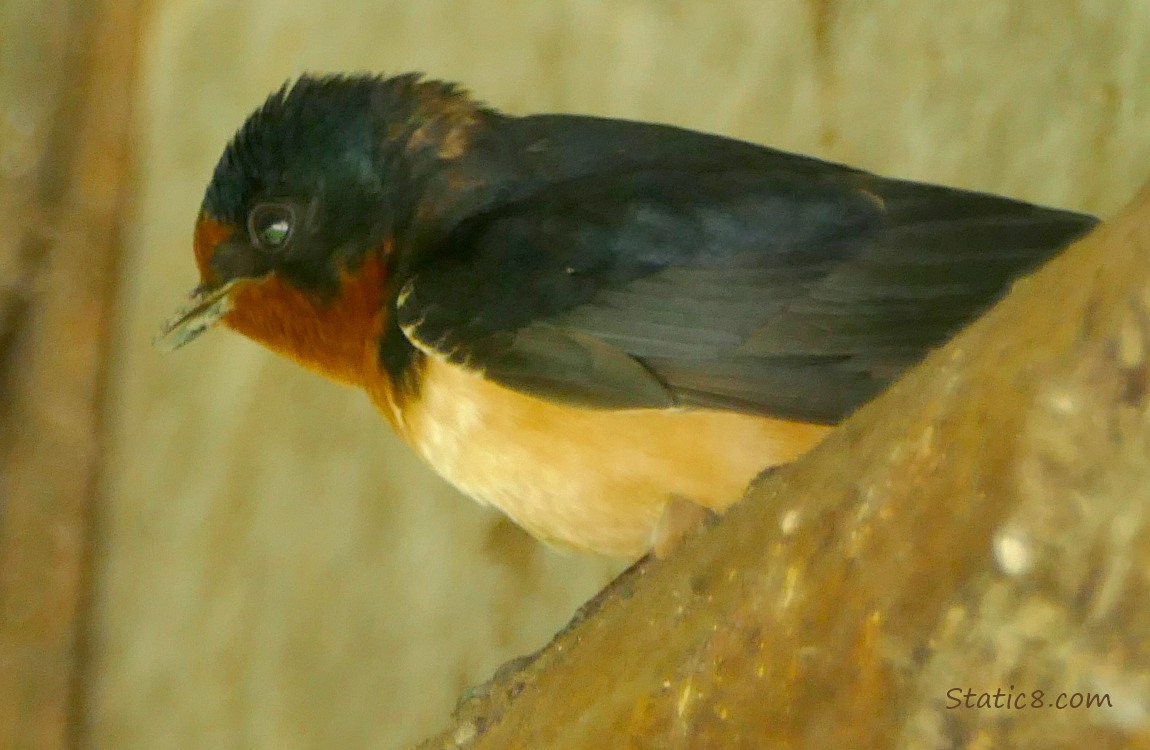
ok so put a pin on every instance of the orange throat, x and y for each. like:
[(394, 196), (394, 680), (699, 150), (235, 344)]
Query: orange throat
[(336, 337)]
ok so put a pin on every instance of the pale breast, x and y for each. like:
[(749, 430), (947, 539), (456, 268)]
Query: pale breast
[(590, 479)]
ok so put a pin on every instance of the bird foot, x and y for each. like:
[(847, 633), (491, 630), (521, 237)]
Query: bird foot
[(682, 518)]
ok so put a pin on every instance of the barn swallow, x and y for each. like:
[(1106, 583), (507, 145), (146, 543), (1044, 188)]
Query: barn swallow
[(586, 322)]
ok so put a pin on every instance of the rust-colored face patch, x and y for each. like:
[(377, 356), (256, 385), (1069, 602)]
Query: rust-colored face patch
[(333, 333), (208, 234), (334, 336)]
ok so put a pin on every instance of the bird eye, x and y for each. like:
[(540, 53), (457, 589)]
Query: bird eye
[(271, 225)]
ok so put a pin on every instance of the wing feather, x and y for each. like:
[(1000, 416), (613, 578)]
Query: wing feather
[(774, 286)]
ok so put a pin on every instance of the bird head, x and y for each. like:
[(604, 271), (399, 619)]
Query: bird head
[(297, 226)]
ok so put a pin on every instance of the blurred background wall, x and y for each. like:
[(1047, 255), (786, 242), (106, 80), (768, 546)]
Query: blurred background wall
[(262, 563)]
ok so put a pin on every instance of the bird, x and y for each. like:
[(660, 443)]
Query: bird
[(601, 327)]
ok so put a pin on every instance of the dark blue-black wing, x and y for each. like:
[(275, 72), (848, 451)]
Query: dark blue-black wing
[(798, 291)]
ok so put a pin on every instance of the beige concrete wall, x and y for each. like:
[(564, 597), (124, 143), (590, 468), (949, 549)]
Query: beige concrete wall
[(277, 570)]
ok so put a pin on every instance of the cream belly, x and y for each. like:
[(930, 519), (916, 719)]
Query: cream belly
[(589, 479)]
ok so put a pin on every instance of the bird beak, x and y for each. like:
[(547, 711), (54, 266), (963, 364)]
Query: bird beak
[(205, 308), (233, 265)]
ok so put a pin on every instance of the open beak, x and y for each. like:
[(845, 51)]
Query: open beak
[(233, 265), (205, 308)]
